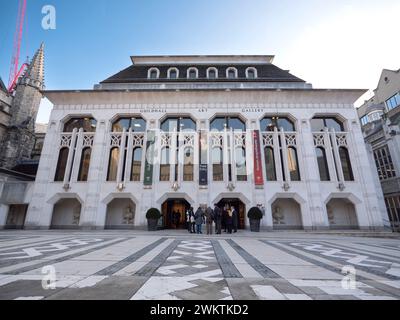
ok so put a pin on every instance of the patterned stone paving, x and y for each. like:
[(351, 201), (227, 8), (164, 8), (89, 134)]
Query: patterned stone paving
[(137, 265)]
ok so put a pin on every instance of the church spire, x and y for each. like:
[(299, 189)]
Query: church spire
[(34, 75)]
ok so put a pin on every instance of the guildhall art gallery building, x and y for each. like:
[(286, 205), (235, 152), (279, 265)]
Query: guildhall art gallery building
[(172, 132)]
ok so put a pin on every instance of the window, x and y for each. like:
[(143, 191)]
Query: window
[(165, 165), (270, 123), (393, 209), (192, 73), (136, 164), (293, 164), (84, 165), (212, 73), (87, 124), (322, 164), (113, 164), (270, 164), (393, 102), (173, 73), (217, 162), (371, 117), (384, 163), (188, 165), (240, 158), (227, 122), (135, 124), (153, 73), (61, 165), (251, 73), (178, 124), (231, 73), (320, 123), (346, 164), (364, 120)]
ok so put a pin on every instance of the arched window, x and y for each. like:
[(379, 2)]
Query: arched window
[(188, 164), (321, 123), (322, 164), (192, 73), (212, 73), (165, 165), (173, 73), (85, 164), (227, 122), (153, 73), (240, 158), (87, 124), (136, 164), (113, 164), (346, 164), (231, 73), (218, 165), (136, 124), (61, 165), (270, 123), (251, 73), (270, 164), (178, 124), (293, 164)]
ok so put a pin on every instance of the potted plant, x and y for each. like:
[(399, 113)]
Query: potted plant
[(255, 215), (152, 216)]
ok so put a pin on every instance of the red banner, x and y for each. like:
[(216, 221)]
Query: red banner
[(258, 172)]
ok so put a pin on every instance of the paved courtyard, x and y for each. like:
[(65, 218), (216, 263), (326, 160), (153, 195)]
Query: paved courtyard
[(176, 265)]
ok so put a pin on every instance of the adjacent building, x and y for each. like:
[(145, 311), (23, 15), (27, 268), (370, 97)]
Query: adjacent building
[(380, 119), (172, 132)]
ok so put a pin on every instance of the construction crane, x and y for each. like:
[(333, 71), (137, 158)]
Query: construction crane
[(15, 70)]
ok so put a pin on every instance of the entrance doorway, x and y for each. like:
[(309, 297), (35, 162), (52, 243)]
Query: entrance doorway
[(174, 213), (240, 207), (16, 216)]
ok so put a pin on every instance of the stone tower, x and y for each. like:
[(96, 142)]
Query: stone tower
[(20, 138)]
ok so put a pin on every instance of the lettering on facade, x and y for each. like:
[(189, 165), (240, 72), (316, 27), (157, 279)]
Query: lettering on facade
[(255, 110)]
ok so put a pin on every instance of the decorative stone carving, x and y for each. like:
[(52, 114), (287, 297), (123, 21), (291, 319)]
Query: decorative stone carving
[(268, 140), (231, 186), (277, 215), (319, 140), (331, 216), (286, 186), (128, 215), (175, 186), (76, 215)]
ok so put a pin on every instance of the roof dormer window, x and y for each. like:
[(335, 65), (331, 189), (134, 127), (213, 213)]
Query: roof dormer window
[(173, 73), (231, 73), (153, 73), (212, 73), (192, 73), (251, 73)]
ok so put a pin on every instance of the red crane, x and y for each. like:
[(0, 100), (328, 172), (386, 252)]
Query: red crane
[(15, 71)]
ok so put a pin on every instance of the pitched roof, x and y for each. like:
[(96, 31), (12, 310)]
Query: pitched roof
[(139, 73), (3, 86)]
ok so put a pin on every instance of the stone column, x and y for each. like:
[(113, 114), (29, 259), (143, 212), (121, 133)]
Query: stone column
[(277, 156)]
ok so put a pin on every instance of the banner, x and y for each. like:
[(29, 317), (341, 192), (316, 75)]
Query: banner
[(258, 172), (203, 166), (148, 167)]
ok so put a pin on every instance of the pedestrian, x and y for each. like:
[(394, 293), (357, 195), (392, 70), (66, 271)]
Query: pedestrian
[(209, 220), (199, 220), (229, 221), (235, 219), (217, 219), (189, 216), (177, 219)]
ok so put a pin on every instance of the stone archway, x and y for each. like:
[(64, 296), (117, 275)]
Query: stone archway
[(286, 214), (341, 214), (120, 214), (66, 214)]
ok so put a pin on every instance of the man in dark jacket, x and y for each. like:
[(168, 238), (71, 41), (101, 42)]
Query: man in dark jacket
[(209, 219), (199, 219), (235, 219), (217, 218)]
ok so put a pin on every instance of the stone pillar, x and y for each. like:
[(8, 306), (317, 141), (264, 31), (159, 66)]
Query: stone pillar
[(3, 215), (277, 156)]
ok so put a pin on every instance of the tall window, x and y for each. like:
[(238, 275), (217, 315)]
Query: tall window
[(136, 164), (322, 164), (87, 124), (113, 164), (270, 164), (165, 165), (178, 124), (240, 158), (270, 123), (61, 165), (346, 164), (188, 165), (84, 165), (227, 122), (393, 102), (136, 124), (293, 164), (218, 165), (321, 123), (384, 163)]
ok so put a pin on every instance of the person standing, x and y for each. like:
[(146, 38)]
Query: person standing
[(189, 215), (199, 219), (223, 219), (209, 220), (229, 221), (178, 219), (235, 219), (217, 218)]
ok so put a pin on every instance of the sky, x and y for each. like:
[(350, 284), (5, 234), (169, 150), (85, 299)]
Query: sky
[(331, 44)]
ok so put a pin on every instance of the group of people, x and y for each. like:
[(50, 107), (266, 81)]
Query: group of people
[(226, 218)]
